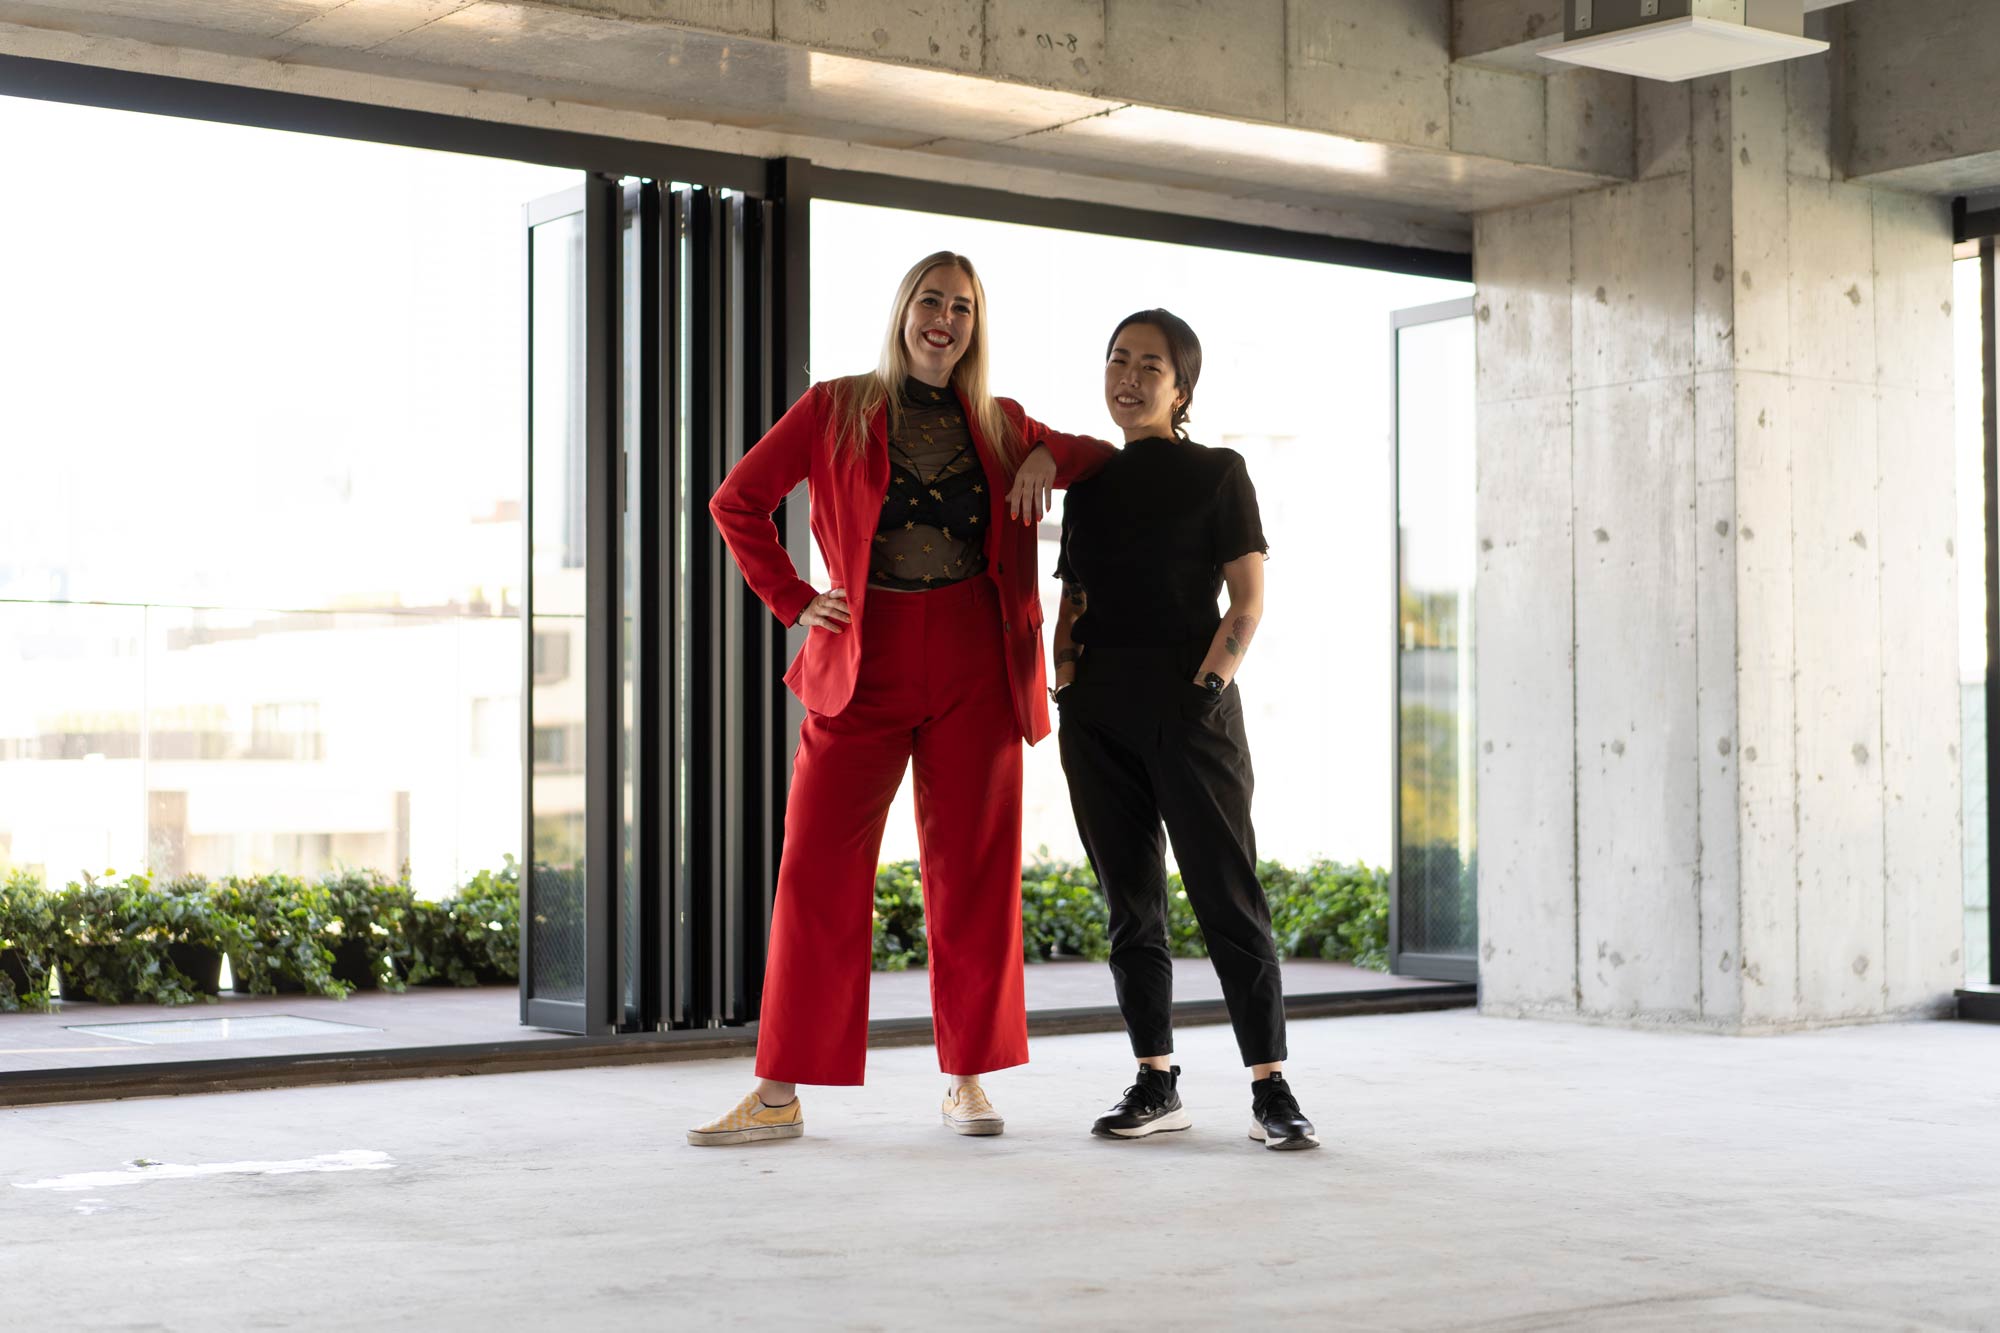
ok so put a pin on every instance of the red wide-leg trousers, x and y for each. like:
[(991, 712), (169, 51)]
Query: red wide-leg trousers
[(932, 688)]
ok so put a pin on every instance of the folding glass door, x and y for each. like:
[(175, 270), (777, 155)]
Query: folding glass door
[(653, 810), (562, 935), (1433, 920)]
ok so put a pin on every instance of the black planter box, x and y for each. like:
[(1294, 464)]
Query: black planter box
[(199, 964), (351, 965), (14, 967)]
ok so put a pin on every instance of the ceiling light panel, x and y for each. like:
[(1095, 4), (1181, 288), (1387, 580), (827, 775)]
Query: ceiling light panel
[(1673, 50)]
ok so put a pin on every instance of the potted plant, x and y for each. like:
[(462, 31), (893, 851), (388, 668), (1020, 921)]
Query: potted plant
[(285, 931), (900, 941), (1329, 910), (366, 918), (120, 941), (27, 942), (1062, 912), (1184, 937), (473, 937)]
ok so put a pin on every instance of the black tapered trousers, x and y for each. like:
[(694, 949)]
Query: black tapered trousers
[(1173, 756)]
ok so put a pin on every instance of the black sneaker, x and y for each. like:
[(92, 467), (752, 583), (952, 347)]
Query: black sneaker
[(1150, 1106), (1275, 1118)]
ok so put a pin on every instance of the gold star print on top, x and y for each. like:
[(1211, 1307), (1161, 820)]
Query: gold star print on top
[(932, 530)]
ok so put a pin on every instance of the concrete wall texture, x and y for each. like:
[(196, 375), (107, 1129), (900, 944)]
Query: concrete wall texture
[(1920, 109), (1389, 120), (1717, 671), (1375, 70)]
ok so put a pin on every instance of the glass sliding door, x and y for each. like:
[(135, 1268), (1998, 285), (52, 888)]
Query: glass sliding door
[(639, 682), (654, 800), (1434, 929), (757, 699), (729, 742), (1315, 685), (574, 665), (699, 441), (1974, 376)]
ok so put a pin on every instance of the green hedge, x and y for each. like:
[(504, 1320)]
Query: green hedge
[(137, 939), (143, 940), (27, 942), (472, 937), (1326, 910)]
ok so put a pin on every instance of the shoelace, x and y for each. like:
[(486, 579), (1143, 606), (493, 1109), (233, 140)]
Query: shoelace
[(1279, 1098), (1144, 1097)]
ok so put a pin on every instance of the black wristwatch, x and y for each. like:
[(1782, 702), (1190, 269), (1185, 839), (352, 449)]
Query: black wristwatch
[(1213, 683)]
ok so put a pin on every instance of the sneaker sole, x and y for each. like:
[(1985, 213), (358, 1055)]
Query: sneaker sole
[(976, 1128), (723, 1138), (1282, 1145), (1171, 1123)]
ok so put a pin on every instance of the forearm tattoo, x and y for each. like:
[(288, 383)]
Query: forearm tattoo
[(1240, 630), (1074, 591), (1064, 656)]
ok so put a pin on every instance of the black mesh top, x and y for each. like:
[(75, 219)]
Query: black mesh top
[(936, 511)]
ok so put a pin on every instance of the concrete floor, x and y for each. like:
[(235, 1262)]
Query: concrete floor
[(1478, 1174)]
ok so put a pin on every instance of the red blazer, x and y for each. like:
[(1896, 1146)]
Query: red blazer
[(846, 495)]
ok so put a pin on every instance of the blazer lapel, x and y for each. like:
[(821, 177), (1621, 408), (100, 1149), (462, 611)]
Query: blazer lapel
[(868, 503)]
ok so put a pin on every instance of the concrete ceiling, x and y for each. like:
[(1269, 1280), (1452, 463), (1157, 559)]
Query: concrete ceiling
[(790, 94)]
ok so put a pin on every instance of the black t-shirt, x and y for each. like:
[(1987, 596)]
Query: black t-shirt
[(1147, 537)]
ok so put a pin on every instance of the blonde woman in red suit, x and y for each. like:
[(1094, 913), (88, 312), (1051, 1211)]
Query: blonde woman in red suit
[(925, 493)]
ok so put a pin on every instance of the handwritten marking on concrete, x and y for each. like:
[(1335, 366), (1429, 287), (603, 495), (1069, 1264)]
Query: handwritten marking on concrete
[(144, 1172)]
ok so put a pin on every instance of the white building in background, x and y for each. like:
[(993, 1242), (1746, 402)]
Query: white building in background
[(240, 742)]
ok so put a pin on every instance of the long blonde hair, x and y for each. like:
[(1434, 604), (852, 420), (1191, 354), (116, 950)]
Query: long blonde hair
[(859, 397)]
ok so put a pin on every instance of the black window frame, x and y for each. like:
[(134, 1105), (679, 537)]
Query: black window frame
[(1138, 224), (988, 205), (302, 113)]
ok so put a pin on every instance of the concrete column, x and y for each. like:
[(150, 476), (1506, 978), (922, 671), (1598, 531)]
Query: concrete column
[(1718, 711)]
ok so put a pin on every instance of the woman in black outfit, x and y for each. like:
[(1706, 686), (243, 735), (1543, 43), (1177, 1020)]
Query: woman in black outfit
[(1152, 722)]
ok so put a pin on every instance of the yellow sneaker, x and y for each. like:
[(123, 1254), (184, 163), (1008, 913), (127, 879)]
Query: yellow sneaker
[(967, 1111), (751, 1122)]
